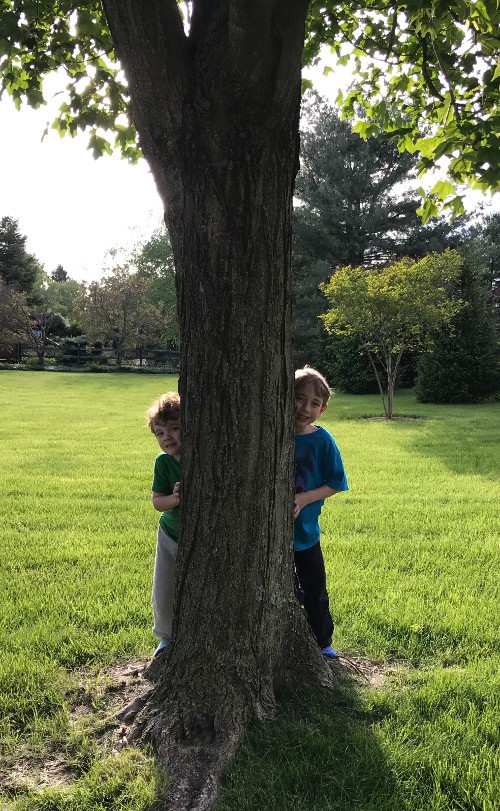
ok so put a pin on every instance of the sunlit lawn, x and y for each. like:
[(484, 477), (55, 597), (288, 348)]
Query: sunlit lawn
[(412, 558)]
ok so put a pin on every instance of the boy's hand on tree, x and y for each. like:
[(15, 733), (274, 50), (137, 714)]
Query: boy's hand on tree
[(300, 502), (177, 491)]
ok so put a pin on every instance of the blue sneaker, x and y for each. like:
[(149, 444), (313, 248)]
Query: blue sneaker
[(329, 653), (164, 642)]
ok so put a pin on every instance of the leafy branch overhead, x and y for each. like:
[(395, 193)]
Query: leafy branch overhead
[(41, 38), (426, 72)]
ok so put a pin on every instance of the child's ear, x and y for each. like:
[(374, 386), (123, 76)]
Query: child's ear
[(323, 410)]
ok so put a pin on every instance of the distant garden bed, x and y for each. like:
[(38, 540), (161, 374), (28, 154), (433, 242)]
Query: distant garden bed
[(90, 367)]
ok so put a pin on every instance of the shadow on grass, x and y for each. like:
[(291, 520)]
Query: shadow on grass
[(320, 753), (467, 445)]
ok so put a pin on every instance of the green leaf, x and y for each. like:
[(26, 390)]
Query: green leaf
[(443, 189)]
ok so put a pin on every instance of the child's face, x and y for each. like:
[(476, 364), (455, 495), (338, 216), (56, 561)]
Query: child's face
[(168, 435), (308, 407)]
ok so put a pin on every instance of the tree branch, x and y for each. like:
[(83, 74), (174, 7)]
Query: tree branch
[(448, 81), (425, 70), (392, 35)]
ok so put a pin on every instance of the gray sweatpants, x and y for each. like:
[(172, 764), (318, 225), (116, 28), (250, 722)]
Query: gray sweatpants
[(162, 595)]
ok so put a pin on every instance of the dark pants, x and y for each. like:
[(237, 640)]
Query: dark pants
[(310, 569)]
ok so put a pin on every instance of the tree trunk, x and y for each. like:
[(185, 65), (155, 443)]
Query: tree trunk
[(220, 131), (377, 377), (390, 384)]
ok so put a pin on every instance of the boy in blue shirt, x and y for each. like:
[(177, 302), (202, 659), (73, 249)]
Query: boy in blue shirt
[(164, 417), (319, 474)]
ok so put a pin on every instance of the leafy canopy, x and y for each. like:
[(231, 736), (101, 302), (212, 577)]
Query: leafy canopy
[(41, 38), (392, 307), (117, 308), (426, 72)]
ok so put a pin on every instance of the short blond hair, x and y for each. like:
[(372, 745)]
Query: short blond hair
[(165, 408), (309, 375)]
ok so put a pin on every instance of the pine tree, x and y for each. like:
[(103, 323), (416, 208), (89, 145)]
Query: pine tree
[(461, 364), (351, 209), (17, 266)]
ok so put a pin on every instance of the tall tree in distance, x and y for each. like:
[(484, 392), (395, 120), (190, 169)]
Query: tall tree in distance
[(485, 242), (17, 267), (63, 297), (116, 310), (356, 205), (461, 363), (155, 263), (59, 275)]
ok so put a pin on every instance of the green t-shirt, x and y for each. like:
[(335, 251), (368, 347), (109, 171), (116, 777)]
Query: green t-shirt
[(167, 472)]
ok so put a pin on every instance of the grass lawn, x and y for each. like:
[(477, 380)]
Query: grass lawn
[(412, 560)]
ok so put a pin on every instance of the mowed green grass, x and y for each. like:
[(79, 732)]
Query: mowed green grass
[(412, 560)]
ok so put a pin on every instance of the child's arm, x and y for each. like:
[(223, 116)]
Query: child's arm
[(162, 502), (309, 496)]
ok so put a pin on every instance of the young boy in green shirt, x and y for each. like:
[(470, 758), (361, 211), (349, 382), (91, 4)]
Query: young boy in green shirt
[(164, 417)]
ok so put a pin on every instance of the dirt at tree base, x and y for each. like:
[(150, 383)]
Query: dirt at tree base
[(106, 701), (98, 697)]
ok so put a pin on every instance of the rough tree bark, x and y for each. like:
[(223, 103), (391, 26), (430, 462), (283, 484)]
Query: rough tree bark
[(217, 113)]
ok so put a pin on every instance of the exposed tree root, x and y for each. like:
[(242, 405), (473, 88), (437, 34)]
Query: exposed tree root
[(195, 768), (195, 750), (196, 747)]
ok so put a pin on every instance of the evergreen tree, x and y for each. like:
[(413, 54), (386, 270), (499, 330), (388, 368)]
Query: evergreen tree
[(59, 275), (485, 238), (17, 266), (354, 206), (461, 364), (347, 366)]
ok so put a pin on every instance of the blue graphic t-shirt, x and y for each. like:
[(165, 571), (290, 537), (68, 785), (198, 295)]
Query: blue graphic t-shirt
[(317, 462)]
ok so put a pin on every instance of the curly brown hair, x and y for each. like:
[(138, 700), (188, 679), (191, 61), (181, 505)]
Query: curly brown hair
[(165, 408)]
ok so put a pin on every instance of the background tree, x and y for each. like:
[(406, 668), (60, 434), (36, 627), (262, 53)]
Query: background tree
[(357, 205), (348, 367), (389, 310), (216, 106), (116, 311), (63, 298), (21, 323), (461, 363), (346, 364), (59, 274), (485, 242), (8, 334), (17, 266), (155, 263)]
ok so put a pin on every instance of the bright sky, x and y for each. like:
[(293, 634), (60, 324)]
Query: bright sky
[(72, 208)]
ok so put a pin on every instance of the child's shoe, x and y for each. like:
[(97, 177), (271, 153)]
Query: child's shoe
[(164, 642), (329, 653)]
